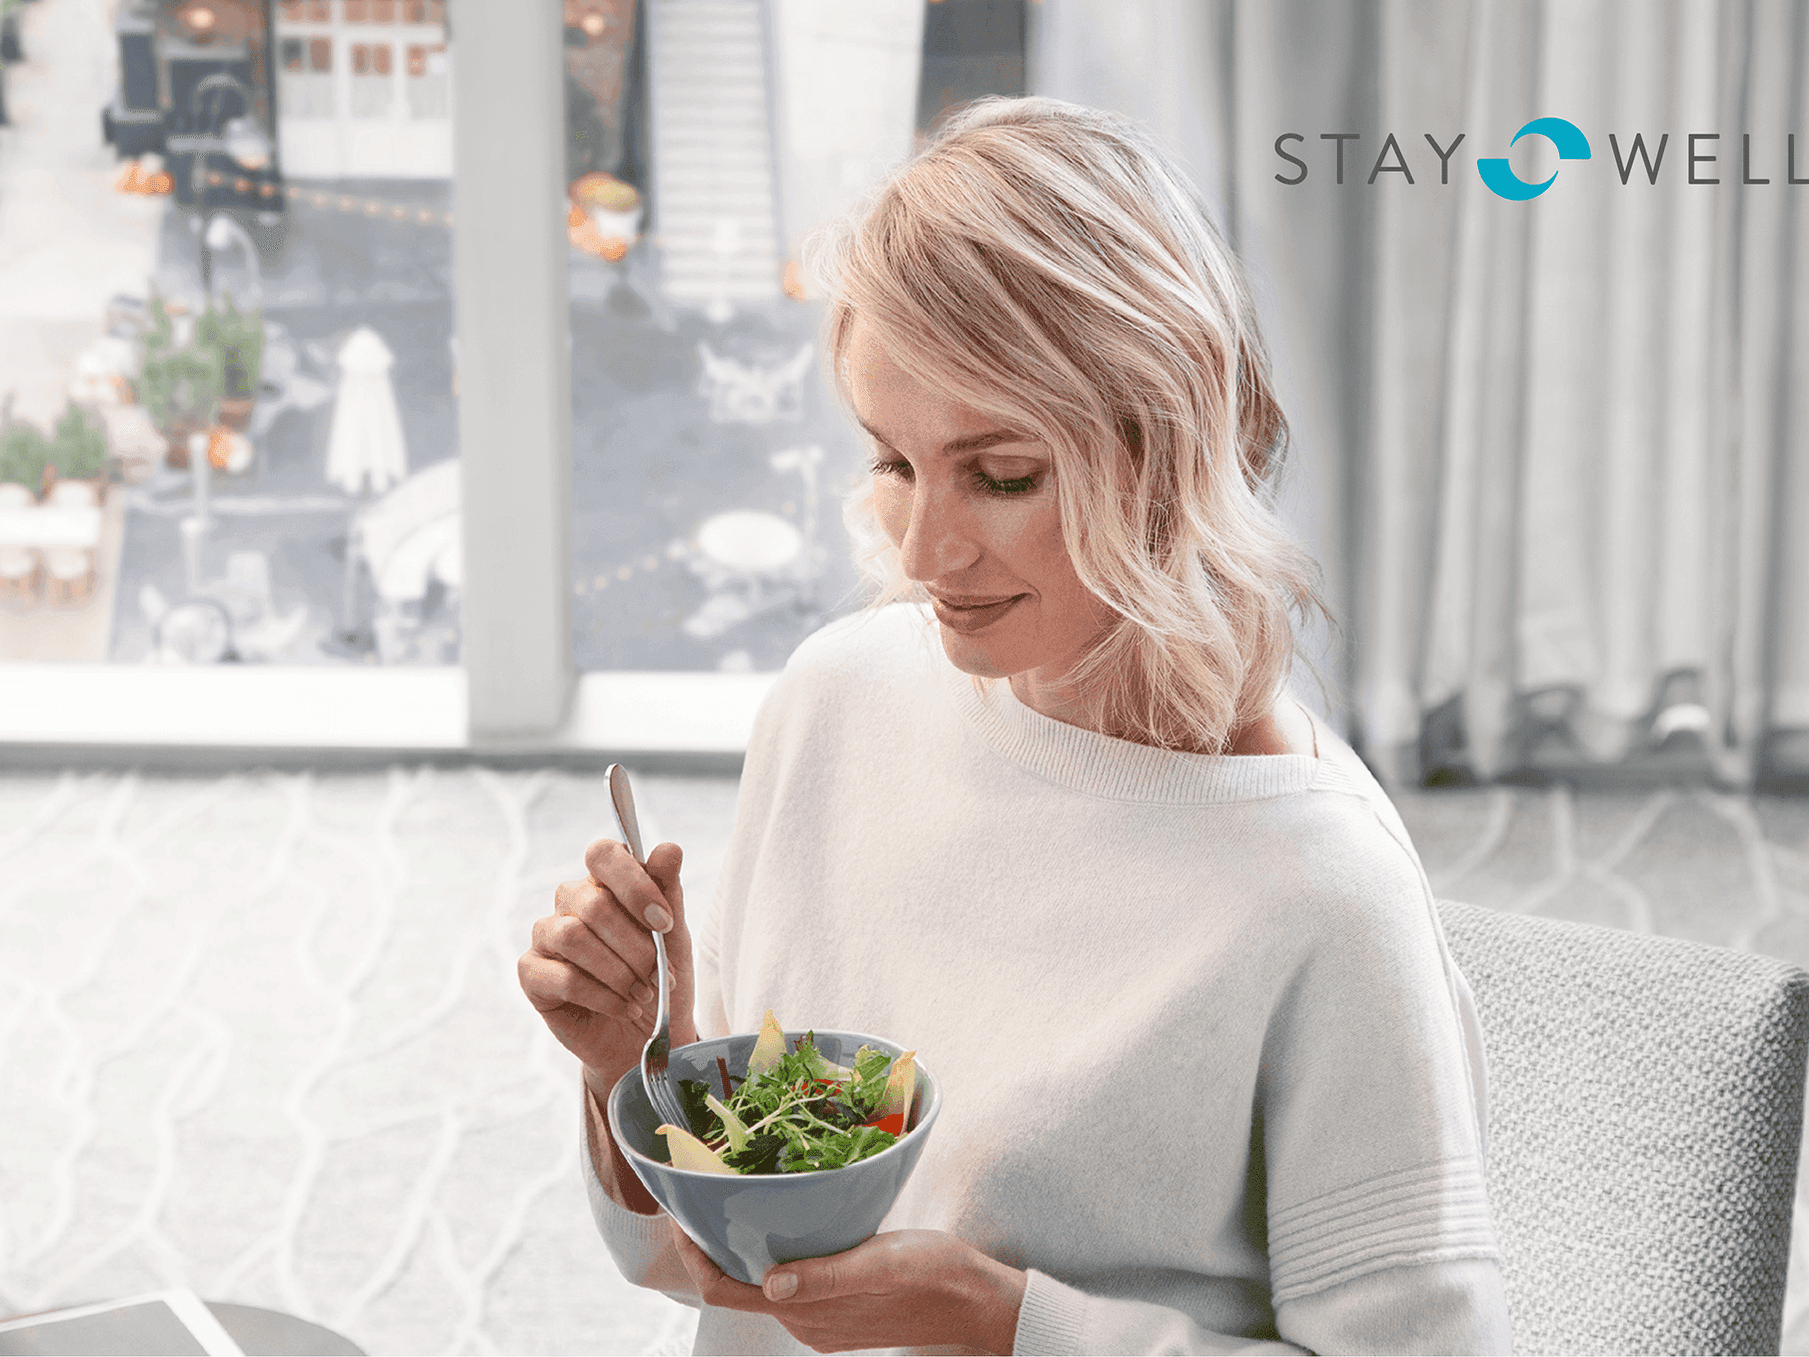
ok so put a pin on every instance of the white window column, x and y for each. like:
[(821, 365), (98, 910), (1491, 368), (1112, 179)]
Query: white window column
[(514, 366)]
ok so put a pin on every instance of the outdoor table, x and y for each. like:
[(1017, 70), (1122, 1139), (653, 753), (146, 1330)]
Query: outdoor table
[(50, 525)]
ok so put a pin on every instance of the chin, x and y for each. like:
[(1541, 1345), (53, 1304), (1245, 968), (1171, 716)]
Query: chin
[(971, 656)]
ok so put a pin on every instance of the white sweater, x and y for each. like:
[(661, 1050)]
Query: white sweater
[(1209, 1073)]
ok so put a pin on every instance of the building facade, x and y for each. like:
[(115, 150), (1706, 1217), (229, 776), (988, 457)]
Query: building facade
[(364, 89)]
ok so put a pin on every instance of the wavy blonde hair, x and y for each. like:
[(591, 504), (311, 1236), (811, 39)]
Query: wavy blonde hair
[(1049, 265)]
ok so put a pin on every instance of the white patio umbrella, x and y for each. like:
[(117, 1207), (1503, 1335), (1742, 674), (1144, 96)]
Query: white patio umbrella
[(365, 453), (364, 446)]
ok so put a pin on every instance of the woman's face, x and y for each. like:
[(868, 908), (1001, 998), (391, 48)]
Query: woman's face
[(970, 504)]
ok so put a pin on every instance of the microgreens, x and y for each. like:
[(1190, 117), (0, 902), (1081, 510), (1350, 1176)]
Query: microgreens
[(800, 1114)]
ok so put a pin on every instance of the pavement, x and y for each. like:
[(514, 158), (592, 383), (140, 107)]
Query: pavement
[(261, 1035), (68, 242)]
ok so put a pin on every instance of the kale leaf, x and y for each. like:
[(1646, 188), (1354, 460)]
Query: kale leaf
[(703, 1123)]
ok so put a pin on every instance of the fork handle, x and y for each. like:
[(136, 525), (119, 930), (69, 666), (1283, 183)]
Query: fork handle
[(621, 796), (663, 1018)]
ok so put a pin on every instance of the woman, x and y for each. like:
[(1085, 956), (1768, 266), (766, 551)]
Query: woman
[(1211, 1080)]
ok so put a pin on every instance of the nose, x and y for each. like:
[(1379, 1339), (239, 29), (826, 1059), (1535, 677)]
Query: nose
[(938, 538)]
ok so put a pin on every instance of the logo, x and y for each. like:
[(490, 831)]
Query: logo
[(1500, 176), (1391, 161)]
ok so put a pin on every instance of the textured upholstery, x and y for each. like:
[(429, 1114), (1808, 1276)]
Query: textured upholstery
[(1645, 1112)]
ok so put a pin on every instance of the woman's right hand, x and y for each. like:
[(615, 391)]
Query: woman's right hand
[(590, 970)]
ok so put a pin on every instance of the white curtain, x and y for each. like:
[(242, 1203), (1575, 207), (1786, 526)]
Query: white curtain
[(1551, 453)]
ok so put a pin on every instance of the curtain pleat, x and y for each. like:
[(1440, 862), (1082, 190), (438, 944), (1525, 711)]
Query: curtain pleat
[(1789, 628), (1554, 449), (1629, 549)]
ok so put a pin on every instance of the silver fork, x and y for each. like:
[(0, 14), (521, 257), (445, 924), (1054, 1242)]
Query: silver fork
[(654, 1055)]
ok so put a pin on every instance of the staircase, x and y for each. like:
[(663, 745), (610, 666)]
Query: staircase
[(713, 186)]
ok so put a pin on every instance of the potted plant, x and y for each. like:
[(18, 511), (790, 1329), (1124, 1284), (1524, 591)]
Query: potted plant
[(180, 388), (79, 450), (24, 455), (182, 392), (238, 338)]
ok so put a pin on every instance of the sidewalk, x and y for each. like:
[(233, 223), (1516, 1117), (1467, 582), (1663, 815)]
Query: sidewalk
[(68, 244), (68, 241)]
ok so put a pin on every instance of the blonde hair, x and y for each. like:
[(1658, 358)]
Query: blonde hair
[(1049, 265)]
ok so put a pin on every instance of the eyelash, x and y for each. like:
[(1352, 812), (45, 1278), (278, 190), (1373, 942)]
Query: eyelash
[(1017, 485)]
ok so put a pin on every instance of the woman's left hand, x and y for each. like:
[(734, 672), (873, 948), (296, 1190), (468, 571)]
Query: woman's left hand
[(905, 1288)]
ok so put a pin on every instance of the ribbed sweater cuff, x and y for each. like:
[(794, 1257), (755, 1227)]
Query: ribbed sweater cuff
[(1049, 1320), (1432, 1213), (629, 1234)]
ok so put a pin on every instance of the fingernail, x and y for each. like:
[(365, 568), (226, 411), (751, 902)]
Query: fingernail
[(643, 993), (658, 919), (781, 1284)]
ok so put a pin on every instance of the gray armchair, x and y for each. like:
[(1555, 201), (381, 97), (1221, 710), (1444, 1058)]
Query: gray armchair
[(1645, 1113)]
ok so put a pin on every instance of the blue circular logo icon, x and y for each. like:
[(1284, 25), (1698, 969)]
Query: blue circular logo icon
[(1500, 176)]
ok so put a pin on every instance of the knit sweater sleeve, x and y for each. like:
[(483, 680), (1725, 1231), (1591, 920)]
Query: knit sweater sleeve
[(1451, 1307), (1379, 1236), (1371, 1104), (642, 1246), (1455, 1307), (1372, 1099)]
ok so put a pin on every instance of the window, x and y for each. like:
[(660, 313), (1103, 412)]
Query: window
[(383, 11), (427, 83), (252, 471), (357, 11), (306, 78), (372, 89), (424, 11)]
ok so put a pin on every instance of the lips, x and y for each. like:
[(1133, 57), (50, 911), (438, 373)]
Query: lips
[(970, 617)]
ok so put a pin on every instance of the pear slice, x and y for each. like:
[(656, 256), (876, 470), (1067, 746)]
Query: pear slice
[(822, 1067), (769, 1050), (901, 1083), (731, 1123), (690, 1153)]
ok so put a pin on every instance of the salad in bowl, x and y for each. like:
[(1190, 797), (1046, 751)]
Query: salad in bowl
[(798, 1146), (794, 1110)]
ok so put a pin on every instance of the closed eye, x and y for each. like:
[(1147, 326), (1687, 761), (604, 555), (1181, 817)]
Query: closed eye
[(991, 485), (1017, 485)]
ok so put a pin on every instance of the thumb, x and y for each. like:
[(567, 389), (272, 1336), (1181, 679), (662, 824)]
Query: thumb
[(663, 865), (813, 1279)]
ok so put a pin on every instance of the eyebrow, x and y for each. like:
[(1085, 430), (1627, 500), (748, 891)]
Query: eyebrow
[(973, 442)]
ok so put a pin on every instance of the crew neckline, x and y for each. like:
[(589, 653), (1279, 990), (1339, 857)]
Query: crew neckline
[(1105, 766)]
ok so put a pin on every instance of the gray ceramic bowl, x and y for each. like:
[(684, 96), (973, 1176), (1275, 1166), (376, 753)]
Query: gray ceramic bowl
[(749, 1222)]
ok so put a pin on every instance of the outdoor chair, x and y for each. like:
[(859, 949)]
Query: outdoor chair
[(18, 573), (73, 495), (69, 574), (1645, 1114)]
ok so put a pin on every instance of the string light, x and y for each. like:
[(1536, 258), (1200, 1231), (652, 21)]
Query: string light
[(582, 231), (134, 179), (370, 207)]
